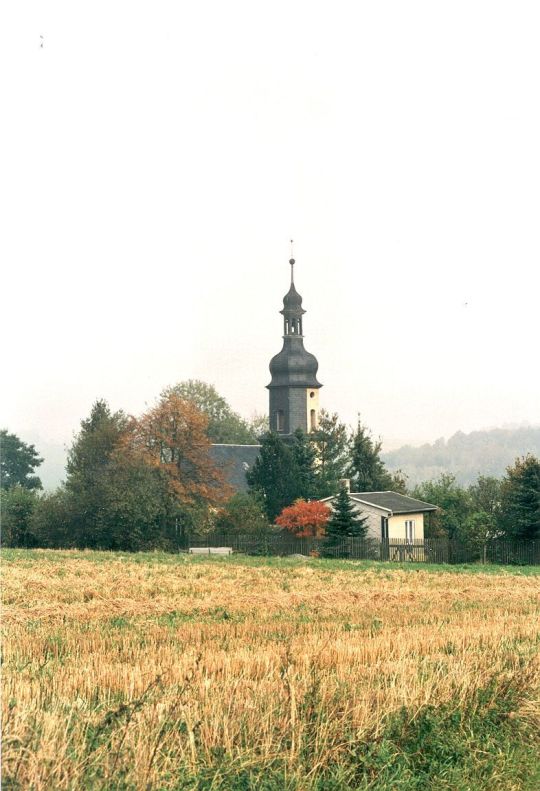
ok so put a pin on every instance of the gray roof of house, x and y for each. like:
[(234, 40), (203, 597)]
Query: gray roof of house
[(392, 501), (235, 461)]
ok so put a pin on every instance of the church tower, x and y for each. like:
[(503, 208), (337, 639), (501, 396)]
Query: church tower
[(294, 389)]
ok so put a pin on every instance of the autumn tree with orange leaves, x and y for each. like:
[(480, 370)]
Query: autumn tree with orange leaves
[(305, 518), (172, 438)]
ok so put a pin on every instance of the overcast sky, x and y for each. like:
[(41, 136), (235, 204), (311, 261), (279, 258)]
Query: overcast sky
[(158, 156)]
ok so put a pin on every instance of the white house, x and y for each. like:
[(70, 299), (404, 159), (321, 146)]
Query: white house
[(390, 515)]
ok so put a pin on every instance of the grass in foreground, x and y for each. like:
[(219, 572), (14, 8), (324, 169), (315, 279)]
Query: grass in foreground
[(323, 564), (167, 672)]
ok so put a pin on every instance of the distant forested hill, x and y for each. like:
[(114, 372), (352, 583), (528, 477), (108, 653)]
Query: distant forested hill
[(465, 455)]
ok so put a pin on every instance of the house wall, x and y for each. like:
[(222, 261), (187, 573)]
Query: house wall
[(374, 518), (396, 526)]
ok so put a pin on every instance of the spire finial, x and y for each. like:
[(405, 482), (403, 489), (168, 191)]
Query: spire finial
[(291, 262)]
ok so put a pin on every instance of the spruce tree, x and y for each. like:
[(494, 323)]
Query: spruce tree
[(304, 456), (344, 522), (88, 470), (367, 470), (331, 445)]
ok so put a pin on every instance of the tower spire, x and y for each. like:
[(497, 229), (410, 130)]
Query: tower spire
[(294, 389)]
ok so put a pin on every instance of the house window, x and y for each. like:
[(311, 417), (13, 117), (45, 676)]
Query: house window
[(409, 529), (312, 420), (384, 528), (280, 420)]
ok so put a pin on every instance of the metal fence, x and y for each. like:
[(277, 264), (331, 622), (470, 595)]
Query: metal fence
[(429, 550)]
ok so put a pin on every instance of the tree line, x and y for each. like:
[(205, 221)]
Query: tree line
[(135, 483)]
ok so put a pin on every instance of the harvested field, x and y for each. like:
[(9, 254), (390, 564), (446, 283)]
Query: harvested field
[(176, 672)]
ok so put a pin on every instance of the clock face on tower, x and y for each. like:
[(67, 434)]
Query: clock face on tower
[(294, 388)]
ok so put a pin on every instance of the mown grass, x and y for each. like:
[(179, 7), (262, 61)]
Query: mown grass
[(155, 671)]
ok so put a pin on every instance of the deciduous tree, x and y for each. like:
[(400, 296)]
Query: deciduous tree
[(18, 461), (242, 513), (485, 496), (137, 510), (520, 500), (172, 437), (52, 521), (17, 509), (479, 528), (305, 518), (454, 505), (259, 425), (224, 425)]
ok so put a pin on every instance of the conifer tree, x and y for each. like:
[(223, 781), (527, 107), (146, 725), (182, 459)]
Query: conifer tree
[(331, 445), (88, 468), (344, 522), (274, 476), (367, 469), (304, 455)]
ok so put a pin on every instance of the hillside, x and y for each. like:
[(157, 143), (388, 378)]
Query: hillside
[(465, 455)]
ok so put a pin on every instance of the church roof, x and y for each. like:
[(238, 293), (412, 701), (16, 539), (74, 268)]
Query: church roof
[(293, 366), (292, 302), (235, 461)]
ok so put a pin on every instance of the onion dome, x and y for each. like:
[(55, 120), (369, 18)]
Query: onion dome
[(293, 366), (292, 301)]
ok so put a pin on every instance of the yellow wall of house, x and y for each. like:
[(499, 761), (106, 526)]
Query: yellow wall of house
[(396, 526)]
